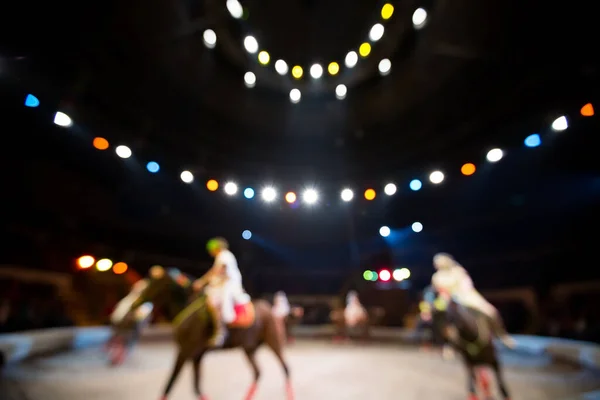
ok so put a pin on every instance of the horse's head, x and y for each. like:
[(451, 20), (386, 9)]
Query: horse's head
[(165, 286)]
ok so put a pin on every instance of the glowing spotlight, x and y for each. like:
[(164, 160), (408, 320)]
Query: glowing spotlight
[(401, 274), (187, 177), (250, 44), (364, 50), (290, 197), (384, 231), (385, 275), (494, 155), (417, 227), (104, 265), (376, 32), (120, 268), (281, 67), (316, 71), (62, 119), (419, 18), (31, 101), (351, 59), (85, 262), (210, 38), (468, 169), (269, 194), (249, 193), (212, 185), (310, 196), (533, 140), (230, 188), (123, 151), (370, 194), (385, 66), (387, 11), (390, 189), (560, 124), (340, 91), (586, 111), (249, 79), (264, 57), (247, 235), (347, 195), (436, 177), (100, 143), (415, 185), (235, 9), (333, 68), (297, 72), (153, 167), (295, 96), (368, 275)]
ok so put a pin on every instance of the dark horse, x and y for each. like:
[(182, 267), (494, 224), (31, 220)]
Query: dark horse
[(195, 324), (470, 333)]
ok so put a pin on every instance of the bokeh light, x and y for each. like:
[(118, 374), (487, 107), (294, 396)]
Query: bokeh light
[(120, 268), (387, 11), (249, 193), (370, 194), (385, 275), (417, 227), (247, 235), (415, 185), (468, 169), (533, 140), (368, 275), (100, 143), (212, 185), (384, 231), (290, 197), (85, 262), (153, 167), (104, 265)]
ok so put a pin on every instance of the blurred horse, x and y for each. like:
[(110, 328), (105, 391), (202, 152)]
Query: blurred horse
[(470, 333), (195, 325)]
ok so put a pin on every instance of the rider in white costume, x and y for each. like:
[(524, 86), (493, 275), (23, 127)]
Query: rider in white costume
[(281, 305), (123, 307), (225, 289), (451, 279), (354, 310)]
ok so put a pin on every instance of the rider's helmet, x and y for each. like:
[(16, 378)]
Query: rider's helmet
[(443, 261), (214, 245)]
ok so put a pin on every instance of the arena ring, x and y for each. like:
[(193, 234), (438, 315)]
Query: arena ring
[(389, 366)]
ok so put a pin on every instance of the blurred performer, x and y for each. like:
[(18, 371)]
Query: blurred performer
[(354, 312), (122, 308), (452, 280), (281, 305), (225, 289)]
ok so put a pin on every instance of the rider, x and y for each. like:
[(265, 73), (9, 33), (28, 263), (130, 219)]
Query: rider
[(224, 281), (452, 280), (281, 305), (354, 310), (127, 302)]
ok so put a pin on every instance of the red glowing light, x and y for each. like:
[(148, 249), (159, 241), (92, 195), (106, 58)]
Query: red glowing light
[(385, 275)]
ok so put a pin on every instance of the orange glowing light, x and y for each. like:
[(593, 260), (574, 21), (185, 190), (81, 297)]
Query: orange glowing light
[(212, 185), (100, 143), (120, 268), (290, 197), (468, 169), (370, 194), (85, 262), (587, 110)]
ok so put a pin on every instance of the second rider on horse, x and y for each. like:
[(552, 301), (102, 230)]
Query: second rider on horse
[(224, 287)]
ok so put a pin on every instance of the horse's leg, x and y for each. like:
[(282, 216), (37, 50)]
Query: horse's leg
[(472, 382), (275, 343), (197, 364), (251, 355), (181, 357), (500, 379)]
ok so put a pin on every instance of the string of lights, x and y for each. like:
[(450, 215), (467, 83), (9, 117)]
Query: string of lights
[(316, 70), (310, 196)]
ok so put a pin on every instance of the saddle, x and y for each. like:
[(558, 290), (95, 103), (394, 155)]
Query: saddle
[(244, 315)]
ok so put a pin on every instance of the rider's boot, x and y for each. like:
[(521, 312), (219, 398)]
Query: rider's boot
[(218, 339)]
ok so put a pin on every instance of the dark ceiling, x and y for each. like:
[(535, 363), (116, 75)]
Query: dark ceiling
[(138, 72)]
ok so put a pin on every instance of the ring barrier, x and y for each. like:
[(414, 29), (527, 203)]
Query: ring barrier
[(20, 346)]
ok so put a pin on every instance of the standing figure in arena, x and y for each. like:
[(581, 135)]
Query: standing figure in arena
[(281, 312), (127, 324), (451, 280), (224, 289), (354, 312)]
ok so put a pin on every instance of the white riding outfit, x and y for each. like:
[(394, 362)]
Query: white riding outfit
[(281, 305), (226, 290), (124, 306), (354, 311)]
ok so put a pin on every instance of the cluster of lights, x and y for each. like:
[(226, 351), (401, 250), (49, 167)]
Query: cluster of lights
[(102, 265), (310, 196), (316, 70), (385, 275)]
